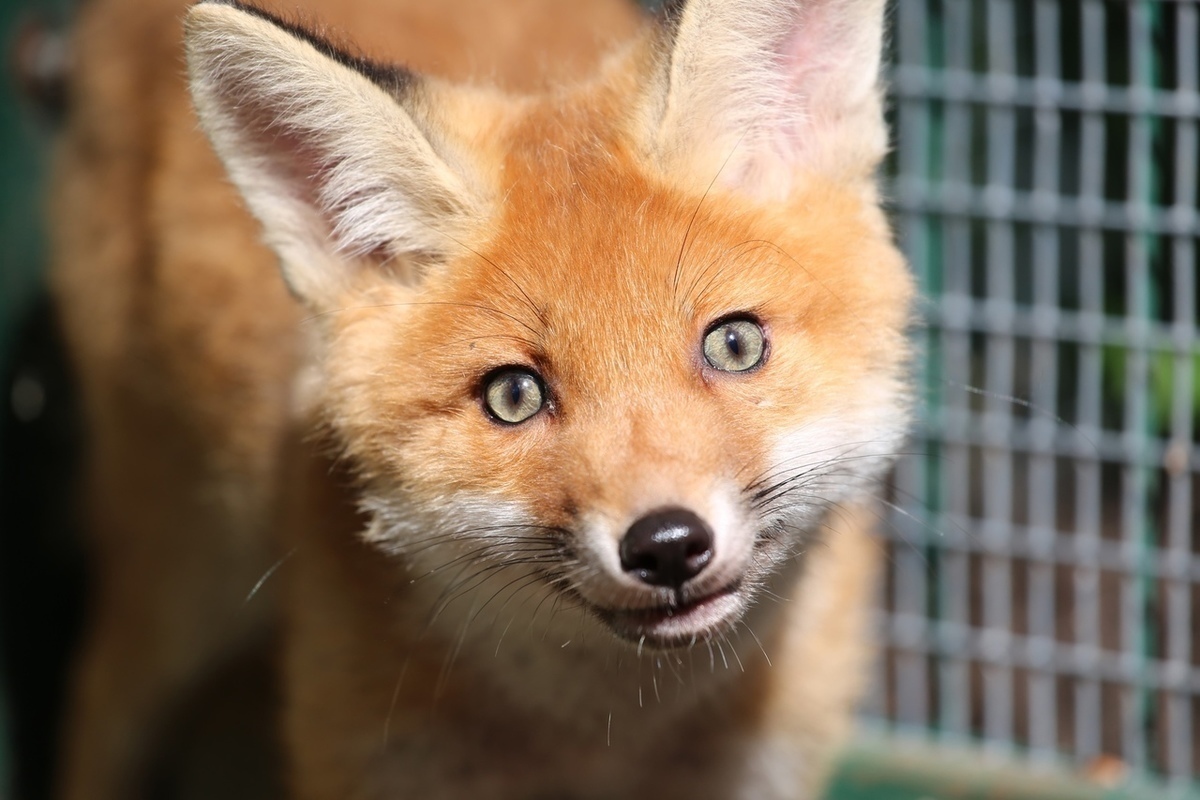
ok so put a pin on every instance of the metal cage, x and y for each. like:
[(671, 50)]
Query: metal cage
[(1043, 535)]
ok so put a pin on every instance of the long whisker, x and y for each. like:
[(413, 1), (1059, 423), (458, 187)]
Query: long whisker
[(537, 310), (687, 232), (267, 575)]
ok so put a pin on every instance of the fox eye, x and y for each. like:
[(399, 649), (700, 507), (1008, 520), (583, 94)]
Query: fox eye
[(513, 395), (735, 345)]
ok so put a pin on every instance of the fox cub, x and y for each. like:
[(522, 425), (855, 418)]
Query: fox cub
[(528, 397)]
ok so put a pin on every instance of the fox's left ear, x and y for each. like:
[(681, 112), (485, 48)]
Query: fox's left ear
[(760, 92), (330, 151)]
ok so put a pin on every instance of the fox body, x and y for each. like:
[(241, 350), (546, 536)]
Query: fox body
[(554, 440)]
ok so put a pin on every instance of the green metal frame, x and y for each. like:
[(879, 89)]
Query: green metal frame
[(875, 771)]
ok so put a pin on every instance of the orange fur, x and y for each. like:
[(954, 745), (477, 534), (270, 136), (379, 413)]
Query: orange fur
[(233, 426)]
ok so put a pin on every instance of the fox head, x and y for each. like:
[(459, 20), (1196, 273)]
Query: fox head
[(627, 343)]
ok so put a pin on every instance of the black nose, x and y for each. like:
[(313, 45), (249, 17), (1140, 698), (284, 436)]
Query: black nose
[(667, 547)]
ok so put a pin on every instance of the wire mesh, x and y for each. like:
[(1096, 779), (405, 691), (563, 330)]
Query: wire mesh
[(1044, 548)]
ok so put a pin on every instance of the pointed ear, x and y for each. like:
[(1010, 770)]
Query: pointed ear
[(324, 149), (763, 91)]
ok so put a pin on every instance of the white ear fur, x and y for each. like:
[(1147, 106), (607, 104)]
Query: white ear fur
[(325, 156), (765, 90)]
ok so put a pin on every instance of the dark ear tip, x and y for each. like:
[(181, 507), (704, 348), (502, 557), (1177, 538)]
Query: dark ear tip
[(394, 79), (668, 9)]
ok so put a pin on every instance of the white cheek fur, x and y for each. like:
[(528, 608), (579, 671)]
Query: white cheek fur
[(410, 528), (830, 459)]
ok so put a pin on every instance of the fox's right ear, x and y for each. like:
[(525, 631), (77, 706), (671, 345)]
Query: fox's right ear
[(762, 92), (322, 147)]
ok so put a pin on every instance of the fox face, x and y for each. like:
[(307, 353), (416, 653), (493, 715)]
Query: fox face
[(624, 346), (652, 424)]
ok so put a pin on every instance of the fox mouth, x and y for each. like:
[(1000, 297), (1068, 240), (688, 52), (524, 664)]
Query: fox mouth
[(674, 625)]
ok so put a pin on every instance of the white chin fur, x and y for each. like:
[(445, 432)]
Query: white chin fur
[(705, 619)]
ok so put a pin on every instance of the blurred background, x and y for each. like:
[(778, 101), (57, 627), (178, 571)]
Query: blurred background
[(1041, 608), (41, 560)]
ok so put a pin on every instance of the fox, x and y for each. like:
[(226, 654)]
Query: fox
[(518, 376)]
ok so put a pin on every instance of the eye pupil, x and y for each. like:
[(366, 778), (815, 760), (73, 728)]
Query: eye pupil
[(733, 343)]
